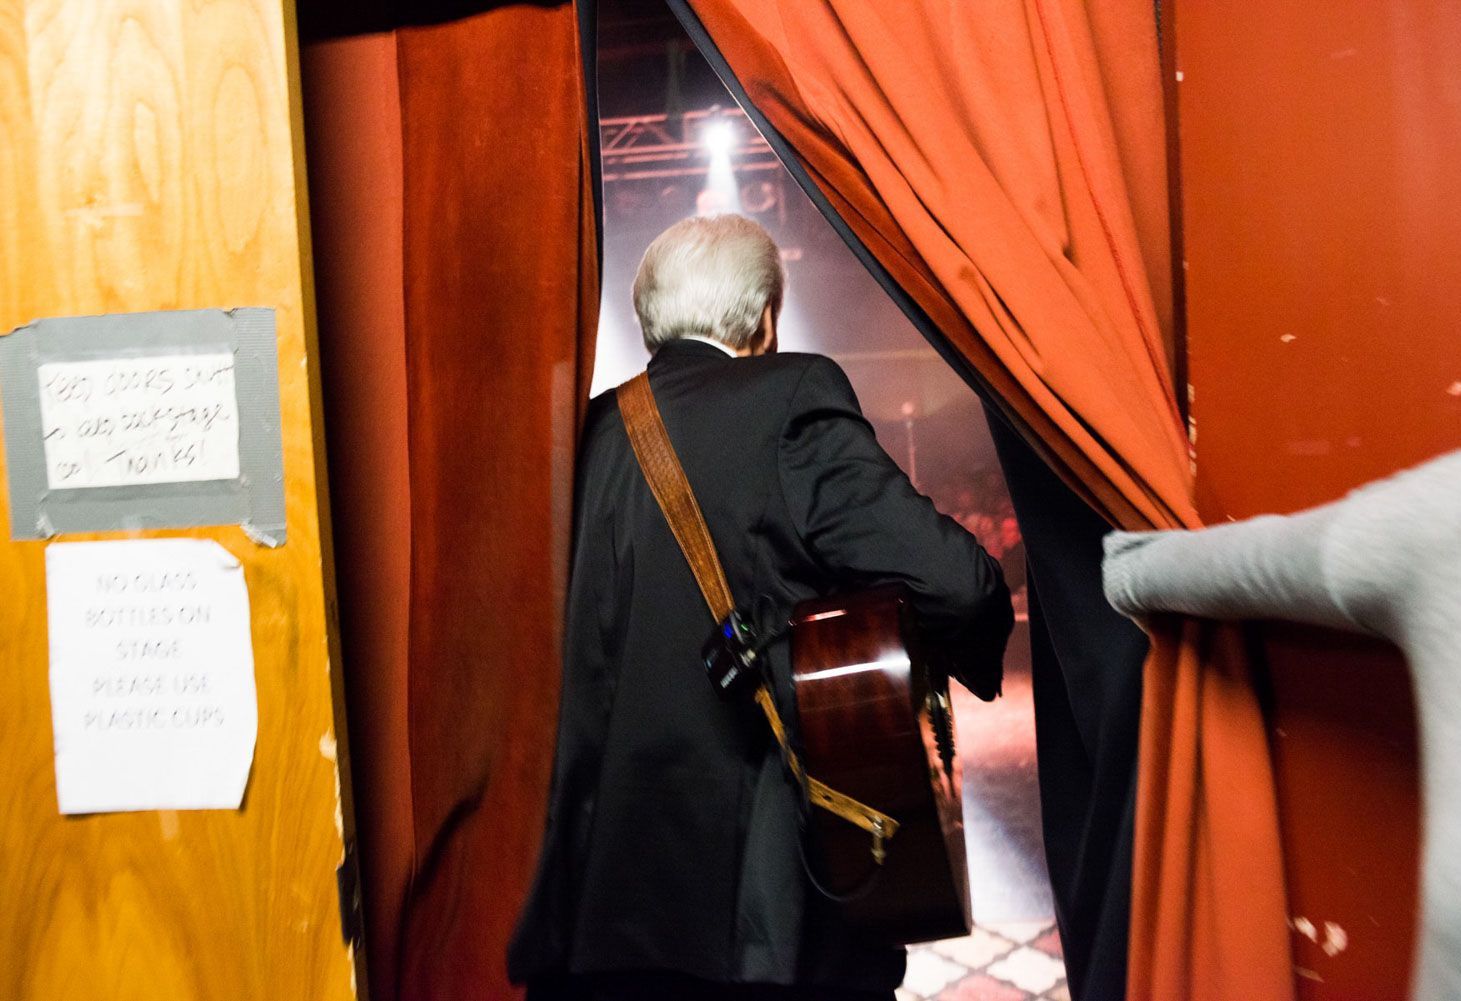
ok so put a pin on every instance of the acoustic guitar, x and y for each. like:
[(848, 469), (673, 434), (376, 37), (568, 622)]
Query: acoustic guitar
[(874, 727)]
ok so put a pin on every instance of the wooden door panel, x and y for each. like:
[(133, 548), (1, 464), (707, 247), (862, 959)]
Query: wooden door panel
[(151, 158)]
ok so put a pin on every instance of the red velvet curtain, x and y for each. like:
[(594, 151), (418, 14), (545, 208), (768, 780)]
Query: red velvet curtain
[(1005, 164), (457, 265)]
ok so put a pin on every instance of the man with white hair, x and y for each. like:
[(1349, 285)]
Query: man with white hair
[(672, 863)]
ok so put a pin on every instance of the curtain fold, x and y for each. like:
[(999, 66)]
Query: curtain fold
[(1007, 173), (452, 170), (353, 145), (501, 282)]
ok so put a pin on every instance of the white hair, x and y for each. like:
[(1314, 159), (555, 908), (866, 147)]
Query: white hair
[(708, 276)]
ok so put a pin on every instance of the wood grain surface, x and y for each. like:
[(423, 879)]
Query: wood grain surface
[(150, 158), (860, 667)]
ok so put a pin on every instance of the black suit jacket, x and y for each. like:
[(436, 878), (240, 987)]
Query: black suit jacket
[(672, 831)]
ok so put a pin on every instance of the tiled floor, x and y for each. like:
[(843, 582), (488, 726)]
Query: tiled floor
[(1015, 961)]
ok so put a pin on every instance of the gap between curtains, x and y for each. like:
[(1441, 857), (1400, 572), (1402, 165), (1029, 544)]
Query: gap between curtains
[(1007, 172)]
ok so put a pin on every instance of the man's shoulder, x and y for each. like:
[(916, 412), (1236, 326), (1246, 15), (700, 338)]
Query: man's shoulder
[(778, 387), (815, 380), (795, 361), (800, 369)]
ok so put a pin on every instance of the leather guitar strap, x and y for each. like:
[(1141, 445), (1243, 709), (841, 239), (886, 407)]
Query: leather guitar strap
[(671, 489)]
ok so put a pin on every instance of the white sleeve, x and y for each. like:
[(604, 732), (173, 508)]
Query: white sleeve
[(1384, 560)]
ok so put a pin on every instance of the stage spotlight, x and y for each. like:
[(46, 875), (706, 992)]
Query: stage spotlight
[(721, 194), (718, 138)]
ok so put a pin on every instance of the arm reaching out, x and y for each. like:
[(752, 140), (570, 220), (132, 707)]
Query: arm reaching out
[(864, 521)]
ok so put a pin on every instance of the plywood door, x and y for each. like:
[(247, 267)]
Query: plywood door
[(150, 158)]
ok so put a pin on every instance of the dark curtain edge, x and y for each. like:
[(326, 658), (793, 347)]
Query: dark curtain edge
[(588, 47)]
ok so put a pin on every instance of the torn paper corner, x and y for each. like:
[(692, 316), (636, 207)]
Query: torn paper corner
[(44, 528), (269, 536), (226, 559)]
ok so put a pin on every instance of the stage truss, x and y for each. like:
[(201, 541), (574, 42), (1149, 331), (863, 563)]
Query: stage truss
[(656, 147)]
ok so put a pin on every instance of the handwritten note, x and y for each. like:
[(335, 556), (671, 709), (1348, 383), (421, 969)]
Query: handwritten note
[(152, 675), (124, 421)]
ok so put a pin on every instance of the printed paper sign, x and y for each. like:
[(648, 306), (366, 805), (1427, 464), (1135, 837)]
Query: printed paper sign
[(126, 421), (152, 675)]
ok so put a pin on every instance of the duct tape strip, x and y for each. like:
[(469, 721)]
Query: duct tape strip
[(254, 498)]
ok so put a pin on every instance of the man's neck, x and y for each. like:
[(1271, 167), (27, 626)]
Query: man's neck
[(710, 340)]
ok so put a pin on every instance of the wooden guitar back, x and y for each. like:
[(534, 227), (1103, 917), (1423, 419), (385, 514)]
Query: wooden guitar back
[(868, 720)]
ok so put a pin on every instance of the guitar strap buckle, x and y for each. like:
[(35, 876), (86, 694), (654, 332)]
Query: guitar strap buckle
[(881, 826)]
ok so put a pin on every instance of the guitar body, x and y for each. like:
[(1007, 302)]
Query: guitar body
[(873, 729)]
